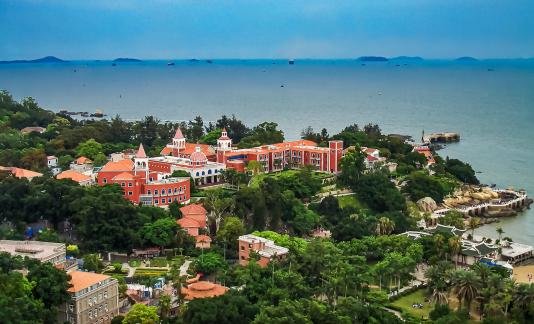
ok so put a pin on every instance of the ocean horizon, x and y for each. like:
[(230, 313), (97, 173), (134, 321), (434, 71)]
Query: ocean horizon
[(489, 102)]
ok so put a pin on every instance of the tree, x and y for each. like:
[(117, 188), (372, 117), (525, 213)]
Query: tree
[(462, 171), (196, 129), (455, 246), (209, 263), (90, 149), (254, 167), (420, 185), (218, 207), (92, 262), (384, 226), (452, 218), (162, 232), (142, 314), (225, 309), (500, 232), (465, 284), (211, 137), (352, 167), (473, 224), (379, 193), (230, 231)]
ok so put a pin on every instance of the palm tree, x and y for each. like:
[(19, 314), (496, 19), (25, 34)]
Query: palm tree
[(466, 286), (164, 306), (440, 297), (439, 240), (384, 226), (455, 245), (500, 231), (473, 223)]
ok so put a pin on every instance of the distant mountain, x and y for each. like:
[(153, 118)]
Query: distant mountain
[(466, 59), (372, 59), (126, 60), (407, 58), (46, 59)]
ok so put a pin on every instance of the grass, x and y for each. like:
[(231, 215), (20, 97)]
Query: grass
[(257, 179), (350, 201), (417, 297)]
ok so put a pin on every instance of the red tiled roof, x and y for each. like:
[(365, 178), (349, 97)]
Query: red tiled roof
[(81, 280), (371, 158), (83, 160), (203, 289), (141, 152), (188, 223), (21, 173), (166, 151), (74, 176), (193, 209), (203, 238), (123, 165), (123, 176), (204, 148)]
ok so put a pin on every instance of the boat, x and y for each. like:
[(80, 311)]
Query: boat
[(291, 61), (113, 64), (97, 114), (170, 63)]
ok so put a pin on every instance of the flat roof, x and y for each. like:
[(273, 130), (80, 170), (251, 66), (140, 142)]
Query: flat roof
[(32, 249), (81, 280)]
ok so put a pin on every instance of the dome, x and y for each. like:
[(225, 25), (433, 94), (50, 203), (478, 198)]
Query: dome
[(198, 156)]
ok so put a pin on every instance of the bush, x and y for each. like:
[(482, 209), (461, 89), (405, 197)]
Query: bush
[(439, 311)]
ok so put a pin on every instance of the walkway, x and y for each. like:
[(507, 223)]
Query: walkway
[(131, 270), (184, 267)]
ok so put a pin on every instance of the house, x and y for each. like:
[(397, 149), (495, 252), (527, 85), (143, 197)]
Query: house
[(196, 212), (473, 252), (33, 129), (425, 150), (42, 251), (203, 242), (52, 164), (80, 178), (203, 289), (191, 226), (82, 165), (21, 173), (94, 298), (143, 184), (372, 159), (266, 250)]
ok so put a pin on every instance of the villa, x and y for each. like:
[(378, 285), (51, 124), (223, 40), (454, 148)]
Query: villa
[(266, 250), (21, 173), (80, 178)]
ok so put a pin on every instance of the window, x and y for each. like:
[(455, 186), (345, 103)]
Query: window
[(99, 296), (175, 190), (149, 191), (123, 184), (71, 307), (162, 191), (242, 258), (105, 294), (130, 184), (90, 313), (155, 191), (242, 248), (209, 171), (163, 200), (156, 201), (130, 193), (104, 180)]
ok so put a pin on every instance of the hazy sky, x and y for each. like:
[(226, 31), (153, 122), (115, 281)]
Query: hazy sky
[(103, 29)]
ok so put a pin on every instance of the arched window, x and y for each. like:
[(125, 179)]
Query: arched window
[(203, 173), (209, 171), (162, 191), (197, 176)]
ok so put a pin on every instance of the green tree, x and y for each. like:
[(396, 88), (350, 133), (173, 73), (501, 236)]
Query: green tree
[(379, 193), (466, 286), (90, 149), (384, 226), (453, 218), (226, 309), (209, 263), (92, 262), (162, 232), (420, 185), (142, 314), (230, 231), (352, 167)]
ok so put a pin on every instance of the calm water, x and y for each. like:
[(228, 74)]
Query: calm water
[(493, 110)]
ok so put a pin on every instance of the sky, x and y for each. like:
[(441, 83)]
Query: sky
[(161, 29)]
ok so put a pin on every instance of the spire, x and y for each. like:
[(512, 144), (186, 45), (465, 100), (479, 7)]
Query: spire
[(141, 152), (178, 134)]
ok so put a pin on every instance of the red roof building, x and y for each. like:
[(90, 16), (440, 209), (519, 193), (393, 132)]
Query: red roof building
[(203, 289)]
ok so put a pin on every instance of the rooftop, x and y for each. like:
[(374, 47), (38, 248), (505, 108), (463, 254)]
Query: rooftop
[(203, 289), (74, 176), (81, 280), (32, 249), (193, 209), (123, 165)]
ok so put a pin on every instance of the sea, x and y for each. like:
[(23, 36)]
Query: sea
[(489, 102)]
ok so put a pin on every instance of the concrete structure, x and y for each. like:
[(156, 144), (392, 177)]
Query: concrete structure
[(514, 253), (266, 249), (43, 251), (94, 299)]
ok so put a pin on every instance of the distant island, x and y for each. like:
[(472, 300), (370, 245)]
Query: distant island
[(126, 60), (466, 59), (46, 59), (373, 59), (407, 58)]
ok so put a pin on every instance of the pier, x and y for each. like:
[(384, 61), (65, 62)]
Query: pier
[(448, 137)]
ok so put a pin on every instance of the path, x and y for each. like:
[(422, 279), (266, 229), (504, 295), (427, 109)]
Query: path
[(184, 267), (131, 270), (394, 312)]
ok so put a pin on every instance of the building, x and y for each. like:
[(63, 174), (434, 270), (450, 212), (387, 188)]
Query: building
[(21, 173), (52, 164), (94, 299), (203, 242), (33, 129), (43, 251), (80, 178), (203, 289), (266, 249), (82, 165), (425, 150), (277, 157), (194, 218), (143, 185), (180, 148)]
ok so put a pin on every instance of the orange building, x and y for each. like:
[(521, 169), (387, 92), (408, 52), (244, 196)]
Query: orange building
[(277, 157), (266, 249), (194, 218), (78, 177)]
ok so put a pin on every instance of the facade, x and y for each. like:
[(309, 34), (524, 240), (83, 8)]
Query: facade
[(277, 157), (43, 251), (94, 299), (142, 185), (266, 249)]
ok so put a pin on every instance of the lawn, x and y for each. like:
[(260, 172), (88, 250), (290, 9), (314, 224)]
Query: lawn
[(350, 201), (417, 297), (257, 179)]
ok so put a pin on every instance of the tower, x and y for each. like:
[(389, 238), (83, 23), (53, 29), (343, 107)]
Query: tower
[(141, 162), (178, 142), (335, 155), (224, 143)]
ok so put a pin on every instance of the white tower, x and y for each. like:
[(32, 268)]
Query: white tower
[(179, 140), (224, 142), (141, 162)]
